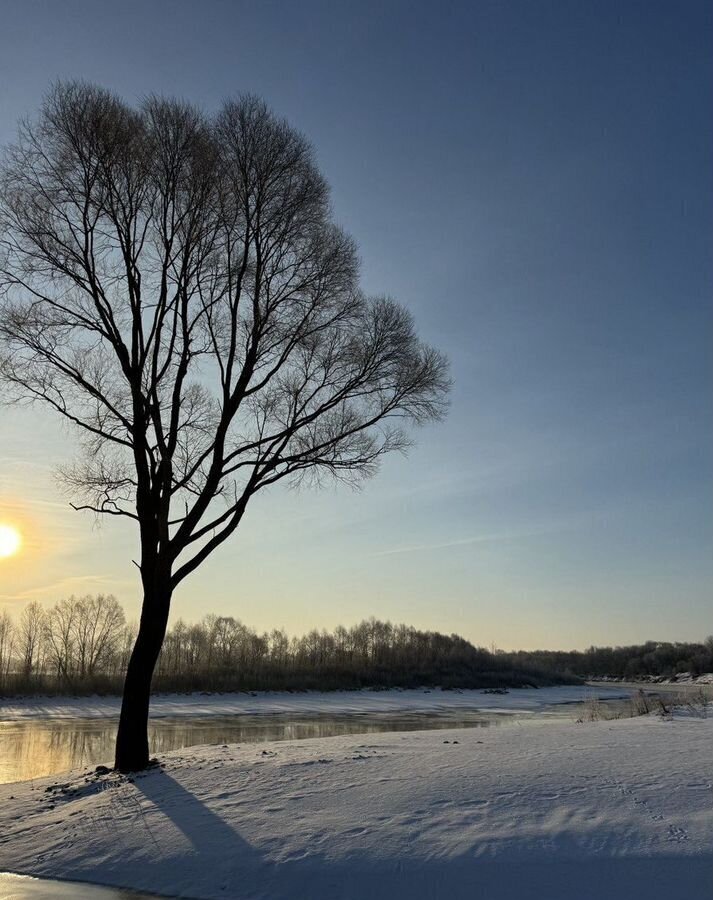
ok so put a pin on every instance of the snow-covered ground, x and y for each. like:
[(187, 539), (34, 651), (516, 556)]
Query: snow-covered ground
[(311, 702), (598, 811)]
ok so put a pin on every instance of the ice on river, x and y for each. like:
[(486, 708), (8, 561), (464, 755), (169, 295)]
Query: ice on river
[(310, 702)]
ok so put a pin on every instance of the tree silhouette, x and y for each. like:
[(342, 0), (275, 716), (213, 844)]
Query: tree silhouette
[(174, 286)]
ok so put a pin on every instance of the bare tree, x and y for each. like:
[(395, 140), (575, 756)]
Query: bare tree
[(60, 635), (98, 628), (83, 635), (174, 286), (30, 635), (7, 646)]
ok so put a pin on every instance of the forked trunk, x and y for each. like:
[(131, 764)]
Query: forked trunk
[(132, 742)]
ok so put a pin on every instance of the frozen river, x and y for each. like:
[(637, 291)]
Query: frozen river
[(44, 736)]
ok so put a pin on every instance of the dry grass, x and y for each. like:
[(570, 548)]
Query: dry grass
[(694, 703)]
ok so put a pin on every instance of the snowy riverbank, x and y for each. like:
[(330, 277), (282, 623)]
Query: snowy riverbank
[(311, 702), (597, 811)]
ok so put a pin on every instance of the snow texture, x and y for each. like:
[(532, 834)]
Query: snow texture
[(605, 810)]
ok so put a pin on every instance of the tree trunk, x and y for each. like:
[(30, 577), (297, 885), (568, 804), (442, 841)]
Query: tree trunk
[(132, 742)]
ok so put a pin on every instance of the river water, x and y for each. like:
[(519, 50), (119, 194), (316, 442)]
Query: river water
[(38, 746), (25, 887)]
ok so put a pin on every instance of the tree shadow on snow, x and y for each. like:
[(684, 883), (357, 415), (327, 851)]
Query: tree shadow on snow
[(221, 855), (215, 846)]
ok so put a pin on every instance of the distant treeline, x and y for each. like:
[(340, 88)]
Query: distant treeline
[(653, 659), (82, 644)]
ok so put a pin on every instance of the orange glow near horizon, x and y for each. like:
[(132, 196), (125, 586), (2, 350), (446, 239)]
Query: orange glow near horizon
[(10, 541)]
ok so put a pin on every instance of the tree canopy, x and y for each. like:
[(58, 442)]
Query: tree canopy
[(174, 285)]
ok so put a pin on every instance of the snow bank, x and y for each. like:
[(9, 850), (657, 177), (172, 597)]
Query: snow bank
[(686, 679), (689, 678), (598, 811), (311, 702)]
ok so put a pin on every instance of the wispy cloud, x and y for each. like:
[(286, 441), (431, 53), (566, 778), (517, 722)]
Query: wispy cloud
[(61, 587), (463, 542)]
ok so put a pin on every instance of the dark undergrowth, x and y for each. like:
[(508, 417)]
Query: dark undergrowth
[(332, 678)]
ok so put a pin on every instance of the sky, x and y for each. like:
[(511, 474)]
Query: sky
[(535, 182)]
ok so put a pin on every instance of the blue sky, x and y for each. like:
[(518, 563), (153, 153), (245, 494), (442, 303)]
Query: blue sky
[(535, 181)]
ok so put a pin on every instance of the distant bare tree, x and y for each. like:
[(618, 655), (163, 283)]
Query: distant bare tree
[(60, 630), (7, 646), (128, 639), (83, 635), (30, 635), (173, 285), (98, 629)]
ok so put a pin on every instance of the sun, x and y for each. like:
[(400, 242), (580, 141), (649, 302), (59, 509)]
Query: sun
[(10, 541)]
